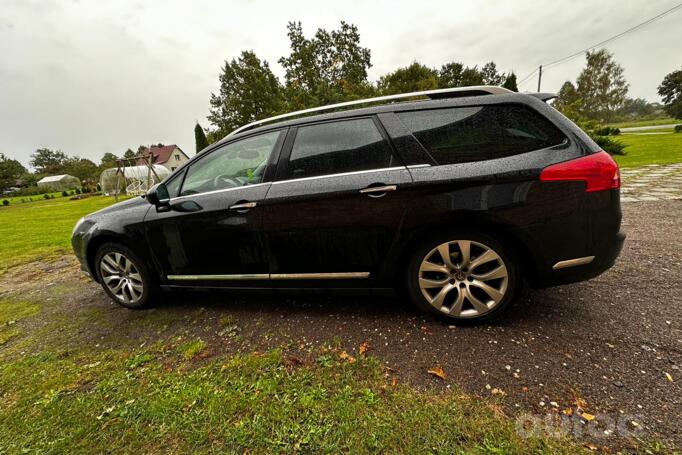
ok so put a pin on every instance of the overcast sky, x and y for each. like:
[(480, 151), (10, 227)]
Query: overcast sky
[(90, 77)]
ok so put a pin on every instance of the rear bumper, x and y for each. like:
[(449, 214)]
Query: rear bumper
[(605, 256)]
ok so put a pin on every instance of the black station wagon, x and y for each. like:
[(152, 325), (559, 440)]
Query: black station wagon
[(457, 200)]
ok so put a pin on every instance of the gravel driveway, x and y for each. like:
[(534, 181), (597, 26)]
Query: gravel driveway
[(612, 345)]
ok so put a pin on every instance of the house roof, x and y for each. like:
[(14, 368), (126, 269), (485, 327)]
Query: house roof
[(161, 154), (55, 178)]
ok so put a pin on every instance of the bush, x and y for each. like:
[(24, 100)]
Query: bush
[(65, 193), (611, 146), (78, 191), (607, 131), (678, 128), (46, 196), (5, 202)]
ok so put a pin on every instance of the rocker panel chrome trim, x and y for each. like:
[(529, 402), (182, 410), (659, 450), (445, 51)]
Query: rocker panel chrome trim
[(273, 276)]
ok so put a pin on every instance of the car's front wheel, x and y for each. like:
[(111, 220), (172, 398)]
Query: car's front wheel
[(463, 277), (124, 276)]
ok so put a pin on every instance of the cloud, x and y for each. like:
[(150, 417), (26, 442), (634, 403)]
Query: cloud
[(96, 77)]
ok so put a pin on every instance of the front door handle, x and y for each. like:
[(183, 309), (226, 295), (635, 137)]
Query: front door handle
[(243, 207), (378, 191)]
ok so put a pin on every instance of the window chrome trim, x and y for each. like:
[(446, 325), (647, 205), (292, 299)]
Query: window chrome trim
[(342, 174), (272, 276), (220, 191), (573, 262), (417, 166)]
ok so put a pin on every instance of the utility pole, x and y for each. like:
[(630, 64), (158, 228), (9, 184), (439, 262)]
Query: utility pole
[(539, 78)]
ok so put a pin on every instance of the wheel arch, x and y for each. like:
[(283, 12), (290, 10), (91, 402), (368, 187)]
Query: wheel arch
[(95, 243), (514, 241)]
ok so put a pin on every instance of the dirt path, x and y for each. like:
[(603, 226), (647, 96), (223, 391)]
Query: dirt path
[(614, 342)]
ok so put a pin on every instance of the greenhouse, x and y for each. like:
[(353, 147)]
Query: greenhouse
[(54, 183), (131, 180)]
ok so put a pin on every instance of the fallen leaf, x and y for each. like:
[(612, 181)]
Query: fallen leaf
[(586, 416), (347, 357), (591, 446), (568, 411), (394, 382), (437, 371), (580, 403), (668, 377), (364, 347), (499, 392), (524, 389)]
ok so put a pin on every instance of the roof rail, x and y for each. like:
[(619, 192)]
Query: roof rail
[(441, 93)]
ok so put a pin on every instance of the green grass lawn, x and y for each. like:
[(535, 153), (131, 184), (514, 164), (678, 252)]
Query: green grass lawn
[(643, 149), (33, 198), (37, 229), (152, 402), (660, 121)]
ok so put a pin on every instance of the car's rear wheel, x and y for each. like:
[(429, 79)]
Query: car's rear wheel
[(463, 277), (124, 276)]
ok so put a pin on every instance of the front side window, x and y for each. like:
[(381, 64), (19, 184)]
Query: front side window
[(465, 134), (338, 147), (235, 164)]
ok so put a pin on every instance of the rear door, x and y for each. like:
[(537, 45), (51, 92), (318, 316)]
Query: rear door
[(337, 202)]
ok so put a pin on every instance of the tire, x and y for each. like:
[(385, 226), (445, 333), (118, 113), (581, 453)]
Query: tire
[(137, 289), (455, 292)]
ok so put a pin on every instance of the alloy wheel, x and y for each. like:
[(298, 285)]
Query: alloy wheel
[(121, 277), (463, 278)]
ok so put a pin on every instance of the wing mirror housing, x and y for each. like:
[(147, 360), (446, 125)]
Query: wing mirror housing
[(158, 196)]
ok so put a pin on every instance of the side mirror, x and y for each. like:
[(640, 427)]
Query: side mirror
[(158, 196)]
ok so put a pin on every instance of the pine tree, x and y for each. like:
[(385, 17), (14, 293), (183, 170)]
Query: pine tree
[(510, 82), (200, 138)]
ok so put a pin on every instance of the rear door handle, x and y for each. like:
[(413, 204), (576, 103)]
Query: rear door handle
[(378, 191), (243, 207)]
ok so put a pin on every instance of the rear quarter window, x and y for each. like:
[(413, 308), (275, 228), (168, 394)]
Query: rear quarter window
[(476, 133)]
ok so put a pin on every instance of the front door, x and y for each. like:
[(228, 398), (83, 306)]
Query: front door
[(213, 232), (335, 207)]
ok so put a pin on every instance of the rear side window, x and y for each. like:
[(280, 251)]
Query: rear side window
[(465, 134), (337, 147)]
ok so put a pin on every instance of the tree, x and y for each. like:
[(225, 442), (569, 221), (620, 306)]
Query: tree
[(249, 91), (129, 154), (200, 138), (601, 86), (510, 82), (413, 78), (671, 92), (455, 74), (46, 161), (84, 169), (490, 75), (10, 171), (328, 68), (567, 101), (108, 160), (638, 108)]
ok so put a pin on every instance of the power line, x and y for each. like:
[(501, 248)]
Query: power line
[(608, 40), (527, 77), (601, 43)]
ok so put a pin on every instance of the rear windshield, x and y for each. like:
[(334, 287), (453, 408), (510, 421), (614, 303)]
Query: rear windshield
[(465, 134)]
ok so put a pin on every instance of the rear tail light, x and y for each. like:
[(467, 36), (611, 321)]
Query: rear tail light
[(598, 171)]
